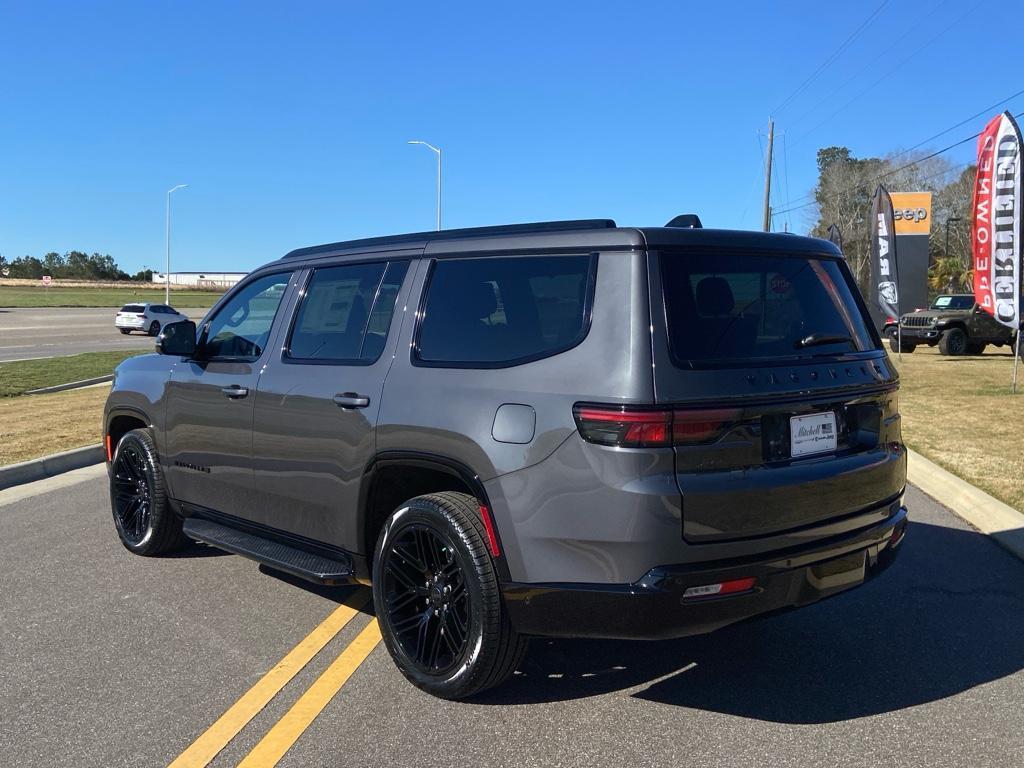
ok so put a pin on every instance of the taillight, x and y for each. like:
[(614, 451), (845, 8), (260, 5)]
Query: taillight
[(623, 427), (143, 315), (631, 427), (701, 425)]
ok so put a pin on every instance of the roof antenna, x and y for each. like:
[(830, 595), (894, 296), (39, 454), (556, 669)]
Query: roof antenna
[(686, 221)]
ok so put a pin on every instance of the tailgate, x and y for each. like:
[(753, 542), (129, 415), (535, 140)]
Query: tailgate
[(752, 481)]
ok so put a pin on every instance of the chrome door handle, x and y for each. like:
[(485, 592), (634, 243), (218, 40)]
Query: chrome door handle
[(351, 400), (235, 392)]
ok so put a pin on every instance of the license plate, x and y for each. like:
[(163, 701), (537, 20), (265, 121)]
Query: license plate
[(814, 433)]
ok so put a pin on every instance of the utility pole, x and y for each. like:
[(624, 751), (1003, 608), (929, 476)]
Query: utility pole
[(768, 178)]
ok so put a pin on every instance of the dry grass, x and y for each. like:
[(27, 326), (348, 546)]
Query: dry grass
[(37, 425), (958, 412)]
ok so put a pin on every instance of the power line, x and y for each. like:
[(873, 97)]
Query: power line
[(881, 176), (867, 185), (872, 61), (975, 116), (889, 70), (835, 54)]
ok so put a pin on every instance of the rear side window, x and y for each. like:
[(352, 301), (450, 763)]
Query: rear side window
[(749, 307), (136, 308), (346, 313), (497, 311)]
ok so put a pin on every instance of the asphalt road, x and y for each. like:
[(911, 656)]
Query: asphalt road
[(107, 659), (52, 331)]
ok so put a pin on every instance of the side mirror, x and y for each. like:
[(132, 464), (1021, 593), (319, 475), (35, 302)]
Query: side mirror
[(177, 339)]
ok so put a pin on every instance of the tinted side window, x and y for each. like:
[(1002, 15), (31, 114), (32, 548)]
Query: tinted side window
[(346, 312), (241, 328), (494, 311)]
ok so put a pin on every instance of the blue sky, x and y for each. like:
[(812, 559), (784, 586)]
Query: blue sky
[(289, 121)]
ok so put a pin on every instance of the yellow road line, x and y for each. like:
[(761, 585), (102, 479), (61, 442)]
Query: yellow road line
[(217, 736), (296, 720)]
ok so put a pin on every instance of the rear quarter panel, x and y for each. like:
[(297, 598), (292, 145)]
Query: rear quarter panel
[(450, 412)]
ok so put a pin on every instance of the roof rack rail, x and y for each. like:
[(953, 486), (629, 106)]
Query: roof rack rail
[(454, 234)]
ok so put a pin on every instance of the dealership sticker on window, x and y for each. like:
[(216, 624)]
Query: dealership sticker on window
[(815, 433)]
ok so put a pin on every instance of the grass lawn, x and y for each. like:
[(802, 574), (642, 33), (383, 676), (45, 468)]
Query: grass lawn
[(958, 412), (37, 425), (19, 377), (37, 296)]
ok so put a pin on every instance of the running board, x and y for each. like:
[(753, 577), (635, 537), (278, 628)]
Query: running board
[(282, 557)]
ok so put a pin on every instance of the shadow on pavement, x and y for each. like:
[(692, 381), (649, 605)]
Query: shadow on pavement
[(334, 594), (195, 549), (947, 616)]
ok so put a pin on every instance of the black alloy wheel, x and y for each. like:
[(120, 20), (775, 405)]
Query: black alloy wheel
[(426, 598), (437, 598), (953, 342), (145, 522), (154, 329), (132, 496)]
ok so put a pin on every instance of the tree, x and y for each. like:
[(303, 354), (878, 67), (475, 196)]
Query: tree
[(846, 185)]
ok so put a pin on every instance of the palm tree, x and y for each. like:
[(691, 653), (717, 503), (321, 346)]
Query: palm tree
[(949, 274)]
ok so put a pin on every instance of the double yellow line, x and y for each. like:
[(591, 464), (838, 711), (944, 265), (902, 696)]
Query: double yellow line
[(272, 747)]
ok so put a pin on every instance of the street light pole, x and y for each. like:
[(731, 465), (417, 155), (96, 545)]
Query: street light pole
[(167, 271), (438, 152), (950, 220)]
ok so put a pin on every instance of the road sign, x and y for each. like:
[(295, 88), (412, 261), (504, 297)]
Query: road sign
[(47, 280)]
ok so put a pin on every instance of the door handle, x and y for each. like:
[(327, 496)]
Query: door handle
[(351, 400), (235, 392)]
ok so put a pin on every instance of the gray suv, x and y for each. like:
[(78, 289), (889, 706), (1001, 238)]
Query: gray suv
[(556, 429)]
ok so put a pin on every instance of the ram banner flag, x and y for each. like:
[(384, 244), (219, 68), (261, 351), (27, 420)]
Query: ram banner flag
[(996, 235), (883, 254)]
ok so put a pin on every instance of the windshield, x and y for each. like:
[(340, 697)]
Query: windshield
[(953, 302), (742, 307)]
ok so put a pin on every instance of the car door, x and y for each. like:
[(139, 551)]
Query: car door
[(317, 400), (208, 438)]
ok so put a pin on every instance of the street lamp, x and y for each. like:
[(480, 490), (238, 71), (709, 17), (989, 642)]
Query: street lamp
[(167, 271), (438, 152), (950, 220)]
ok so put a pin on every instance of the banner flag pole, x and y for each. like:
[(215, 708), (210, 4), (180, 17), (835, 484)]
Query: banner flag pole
[(1016, 360)]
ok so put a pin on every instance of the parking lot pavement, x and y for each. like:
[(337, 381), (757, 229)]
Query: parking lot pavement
[(55, 331), (108, 659)]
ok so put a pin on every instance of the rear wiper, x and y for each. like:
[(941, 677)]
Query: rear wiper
[(816, 339)]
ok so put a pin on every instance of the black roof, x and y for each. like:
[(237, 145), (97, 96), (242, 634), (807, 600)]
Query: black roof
[(588, 233)]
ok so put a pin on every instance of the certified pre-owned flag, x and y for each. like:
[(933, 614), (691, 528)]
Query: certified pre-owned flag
[(996, 235), (883, 254)]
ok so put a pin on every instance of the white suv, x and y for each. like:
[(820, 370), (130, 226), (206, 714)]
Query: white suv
[(149, 318)]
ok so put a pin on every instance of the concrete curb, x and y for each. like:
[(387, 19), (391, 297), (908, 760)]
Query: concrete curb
[(48, 466), (989, 515), (72, 385)]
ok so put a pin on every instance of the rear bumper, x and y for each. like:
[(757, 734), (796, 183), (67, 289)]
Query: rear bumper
[(654, 607), (129, 322)]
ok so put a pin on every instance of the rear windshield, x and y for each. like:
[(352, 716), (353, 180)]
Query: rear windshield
[(133, 308), (752, 307)]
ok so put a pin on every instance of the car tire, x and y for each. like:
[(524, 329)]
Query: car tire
[(895, 346), (154, 328), (976, 348), (450, 637), (953, 342), (124, 331), (143, 518)]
